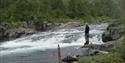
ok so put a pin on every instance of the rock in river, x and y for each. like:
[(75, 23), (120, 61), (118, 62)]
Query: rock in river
[(15, 33)]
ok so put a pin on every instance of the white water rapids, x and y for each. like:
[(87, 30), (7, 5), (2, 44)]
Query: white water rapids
[(49, 40)]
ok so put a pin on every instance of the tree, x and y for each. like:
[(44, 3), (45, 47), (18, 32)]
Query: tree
[(58, 8), (106, 8), (72, 8), (79, 8)]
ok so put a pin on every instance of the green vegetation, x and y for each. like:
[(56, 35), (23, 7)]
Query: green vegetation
[(110, 58), (25, 13), (116, 56), (16, 12)]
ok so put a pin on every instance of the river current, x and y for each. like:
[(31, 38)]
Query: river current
[(42, 47)]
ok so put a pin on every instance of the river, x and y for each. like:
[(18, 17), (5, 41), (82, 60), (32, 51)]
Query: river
[(42, 47)]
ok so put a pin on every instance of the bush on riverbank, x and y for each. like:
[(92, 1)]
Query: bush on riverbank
[(106, 58), (115, 56), (121, 49), (16, 12)]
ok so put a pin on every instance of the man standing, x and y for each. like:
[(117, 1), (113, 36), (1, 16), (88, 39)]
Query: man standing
[(86, 34)]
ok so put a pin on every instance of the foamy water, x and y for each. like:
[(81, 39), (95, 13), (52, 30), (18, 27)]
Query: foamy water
[(50, 40)]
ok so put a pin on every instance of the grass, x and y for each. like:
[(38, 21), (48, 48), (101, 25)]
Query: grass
[(116, 56), (102, 58), (88, 19)]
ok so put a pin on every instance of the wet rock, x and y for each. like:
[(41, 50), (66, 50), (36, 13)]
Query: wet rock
[(72, 25), (69, 59), (106, 36), (15, 33), (103, 47), (2, 31), (96, 52), (44, 26), (113, 32)]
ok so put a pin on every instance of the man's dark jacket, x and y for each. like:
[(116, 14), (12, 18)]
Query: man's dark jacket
[(87, 29)]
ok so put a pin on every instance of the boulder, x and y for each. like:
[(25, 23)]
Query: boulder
[(69, 59), (16, 33), (106, 36), (102, 47), (72, 25), (2, 31), (113, 32), (96, 52)]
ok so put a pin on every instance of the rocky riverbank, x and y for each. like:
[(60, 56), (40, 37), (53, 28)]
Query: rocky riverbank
[(35, 48), (113, 39), (15, 33), (114, 32), (26, 43), (11, 34)]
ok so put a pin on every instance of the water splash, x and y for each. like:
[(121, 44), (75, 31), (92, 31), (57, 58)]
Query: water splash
[(50, 40)]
